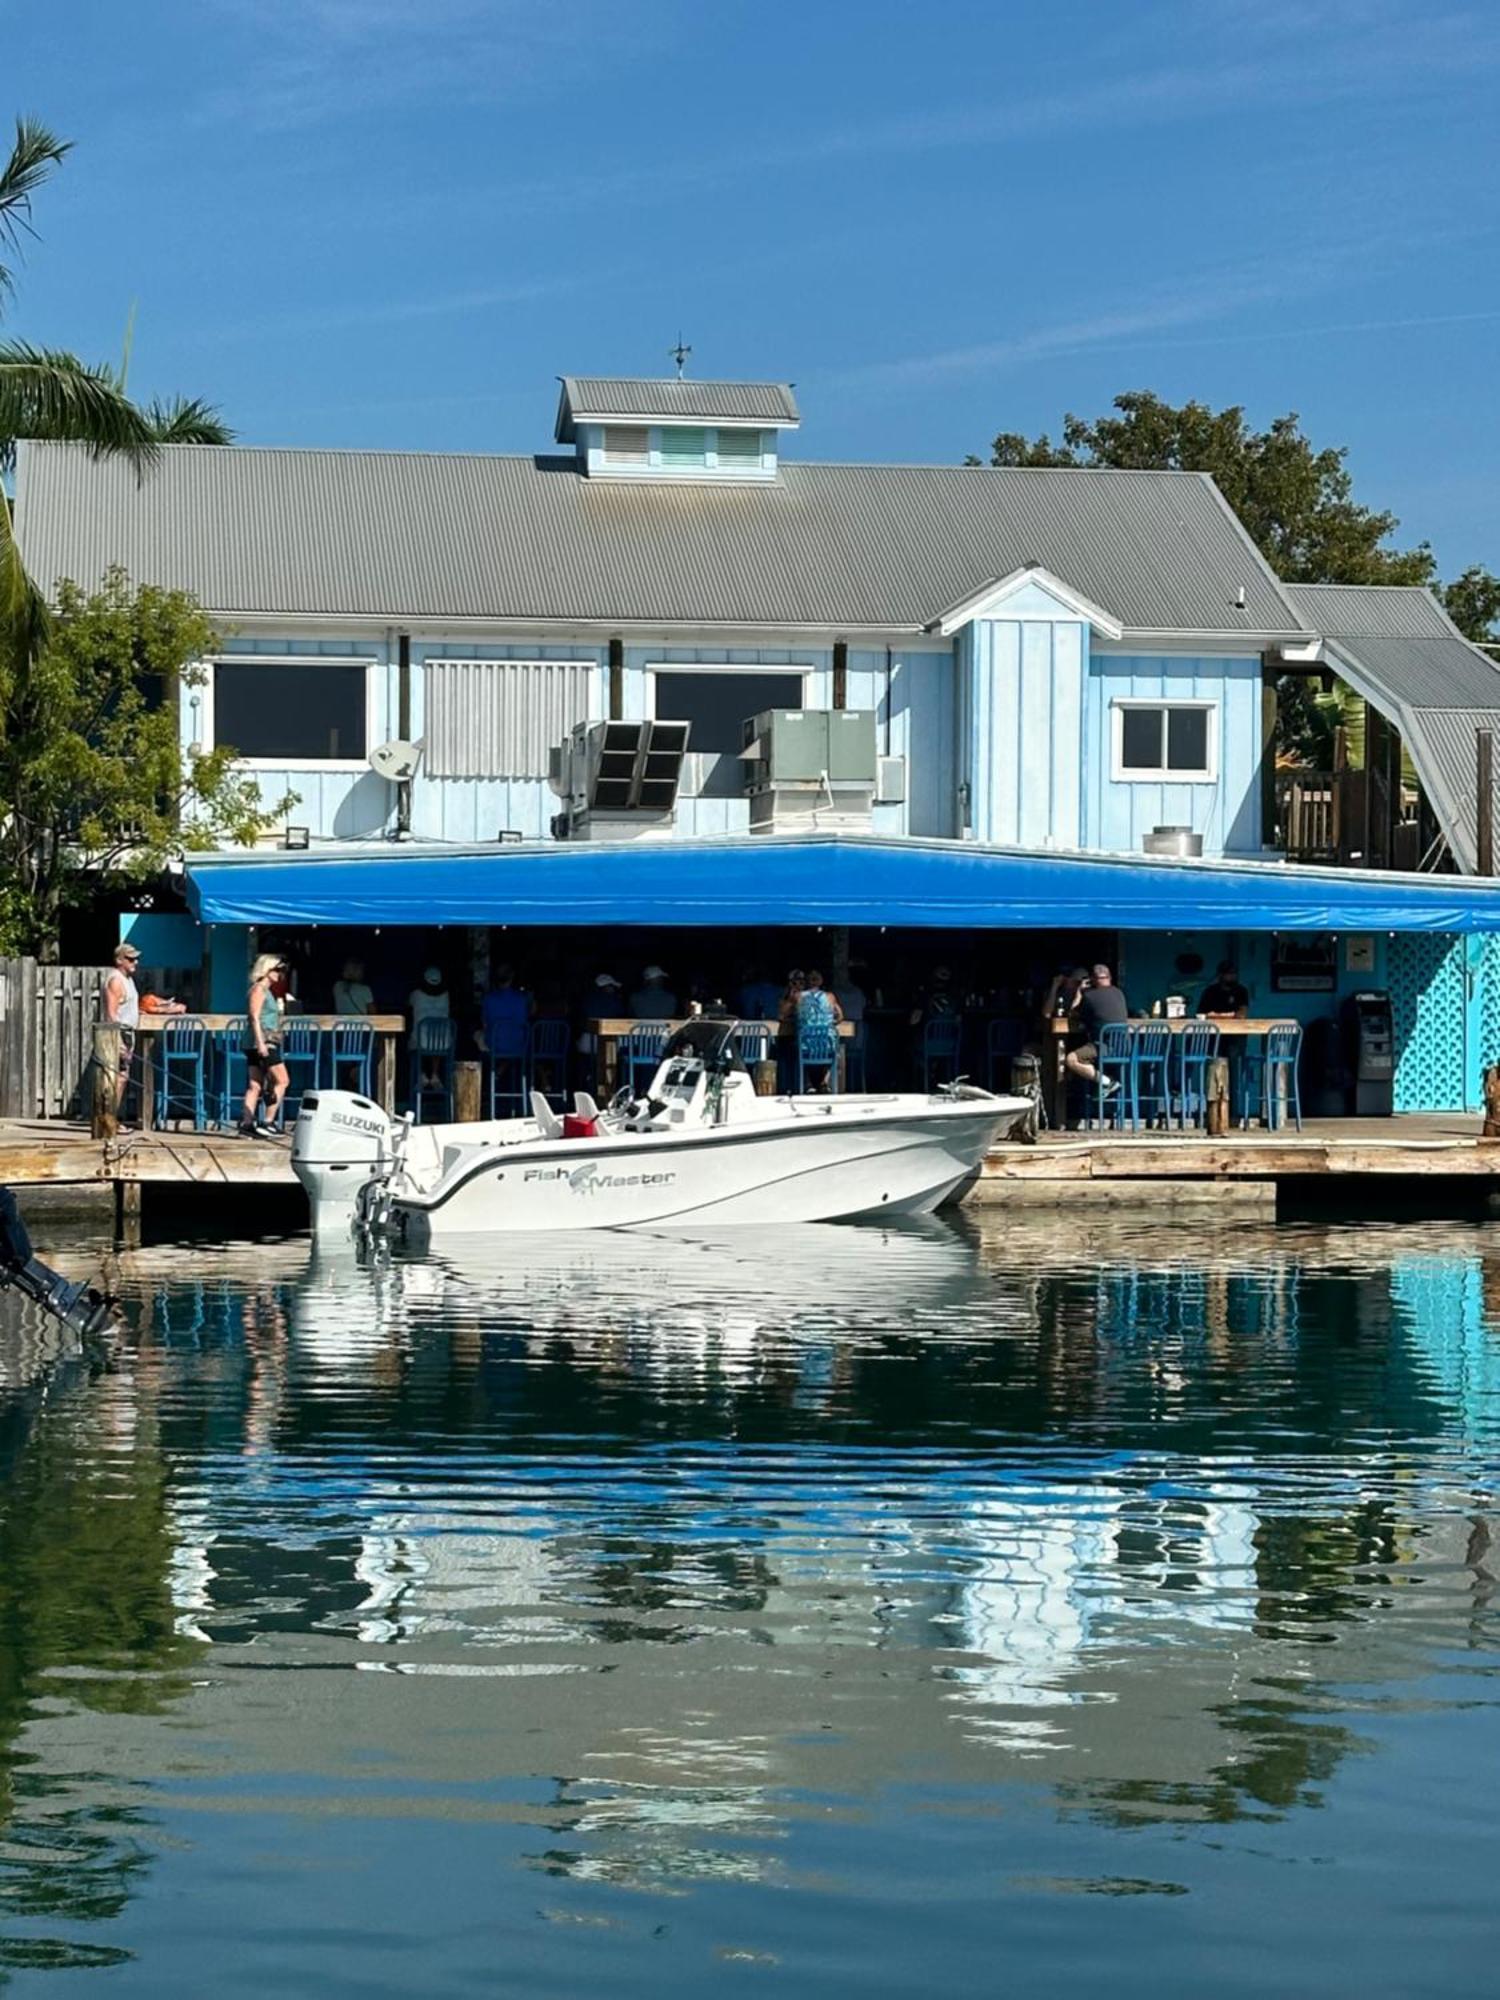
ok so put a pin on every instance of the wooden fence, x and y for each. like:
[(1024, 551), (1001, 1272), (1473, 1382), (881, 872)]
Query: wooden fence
[(47, 1016)]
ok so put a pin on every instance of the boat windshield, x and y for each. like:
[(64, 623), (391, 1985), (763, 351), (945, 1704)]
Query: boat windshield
[(710, 1040)]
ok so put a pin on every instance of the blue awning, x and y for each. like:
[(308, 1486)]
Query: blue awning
[(850, 879)]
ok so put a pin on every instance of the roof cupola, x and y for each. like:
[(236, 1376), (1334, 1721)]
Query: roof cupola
[(632, 427)]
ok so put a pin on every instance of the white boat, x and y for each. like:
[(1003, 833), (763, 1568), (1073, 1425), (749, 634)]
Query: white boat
[(698, 1147)]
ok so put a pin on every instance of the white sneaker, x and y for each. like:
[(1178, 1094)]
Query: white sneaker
[(1108, 1085)]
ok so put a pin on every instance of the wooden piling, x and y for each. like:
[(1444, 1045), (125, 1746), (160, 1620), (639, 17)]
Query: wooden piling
[(1491, 1102), (128, 1215), (467, 1077)]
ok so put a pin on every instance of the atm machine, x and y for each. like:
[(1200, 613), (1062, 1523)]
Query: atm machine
[(1370, 1051)]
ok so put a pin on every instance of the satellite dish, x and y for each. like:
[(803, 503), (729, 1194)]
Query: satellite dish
[(397, 761)]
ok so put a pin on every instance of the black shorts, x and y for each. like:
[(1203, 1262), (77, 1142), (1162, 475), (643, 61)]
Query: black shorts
[(254, 1060)]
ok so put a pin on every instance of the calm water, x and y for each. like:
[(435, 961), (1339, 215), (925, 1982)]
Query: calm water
[(1019, 1610)]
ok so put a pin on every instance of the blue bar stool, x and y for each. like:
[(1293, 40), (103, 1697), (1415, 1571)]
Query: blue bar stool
[(181, 1064), (1116, 1065), (644, 1048), (817, 1053), (941, 1040), (547, 1047), (351, 1052), (1150, 1073), (231, 1074), (302, 1053), (755, 1043), (431, 1048), (1264, 1068), (1195, 1047)]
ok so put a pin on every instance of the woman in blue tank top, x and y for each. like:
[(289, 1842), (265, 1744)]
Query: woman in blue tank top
[(266, 1070)]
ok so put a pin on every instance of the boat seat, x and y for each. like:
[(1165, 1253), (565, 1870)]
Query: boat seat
[(548, 1122)]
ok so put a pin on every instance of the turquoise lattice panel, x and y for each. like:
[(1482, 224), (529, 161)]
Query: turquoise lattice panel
[(1489, 1005), (1426, 975)]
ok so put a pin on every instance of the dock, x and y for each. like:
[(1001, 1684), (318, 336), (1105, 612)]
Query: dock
[(1243, 1172)]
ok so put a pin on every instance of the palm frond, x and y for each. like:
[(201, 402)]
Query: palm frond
[(24, 618), (186, 420), (55, 396), (34, 154)]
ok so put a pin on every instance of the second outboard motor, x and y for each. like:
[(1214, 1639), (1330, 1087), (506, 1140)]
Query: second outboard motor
[(341, 1141)]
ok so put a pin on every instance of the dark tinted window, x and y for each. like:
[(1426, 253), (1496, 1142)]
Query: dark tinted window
[(1140, 739), (297, 712), (717, 704), (1187, 739)]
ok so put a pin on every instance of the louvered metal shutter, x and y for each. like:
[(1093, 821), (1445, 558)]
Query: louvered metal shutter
[(627, 444), (739, 447), (500, 718), (681, 446)]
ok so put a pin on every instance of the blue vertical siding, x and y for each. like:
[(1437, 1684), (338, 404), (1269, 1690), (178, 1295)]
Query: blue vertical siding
[(913, 694), (350, 805), (1022, 710), (1117, 814)]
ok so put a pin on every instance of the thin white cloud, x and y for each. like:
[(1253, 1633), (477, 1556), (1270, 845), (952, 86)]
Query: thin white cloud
[(1210, 298), (305, 319)]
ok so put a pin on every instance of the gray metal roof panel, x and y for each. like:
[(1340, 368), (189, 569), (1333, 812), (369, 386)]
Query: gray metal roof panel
[(672, 399), (1425, 673), (1443, 746), (1371, 610), (424, 536)]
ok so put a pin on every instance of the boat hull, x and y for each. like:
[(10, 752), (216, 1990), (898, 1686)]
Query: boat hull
[(814, 1167)]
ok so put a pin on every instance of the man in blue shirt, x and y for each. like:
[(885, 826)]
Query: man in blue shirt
[(506, 1015)]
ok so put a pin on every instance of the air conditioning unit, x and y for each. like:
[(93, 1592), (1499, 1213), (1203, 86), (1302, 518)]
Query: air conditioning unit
[(809, 769), (617, 780)]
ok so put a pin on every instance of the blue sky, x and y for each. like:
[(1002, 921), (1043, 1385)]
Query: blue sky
[(395, 222)]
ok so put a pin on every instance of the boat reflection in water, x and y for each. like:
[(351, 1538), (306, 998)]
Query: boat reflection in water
[(652, 1553)]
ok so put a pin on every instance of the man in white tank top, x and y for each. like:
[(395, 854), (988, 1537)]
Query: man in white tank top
[(122, 1004)]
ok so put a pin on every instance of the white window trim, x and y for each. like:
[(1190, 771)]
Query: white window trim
[(1134, 775), (208, 720)]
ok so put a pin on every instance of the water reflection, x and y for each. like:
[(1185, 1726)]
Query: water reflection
[(668, 1555)]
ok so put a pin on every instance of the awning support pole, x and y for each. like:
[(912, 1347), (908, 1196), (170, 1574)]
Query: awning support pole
[(1484, 839)]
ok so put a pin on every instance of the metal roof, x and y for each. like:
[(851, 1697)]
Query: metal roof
[(533, 543), (1397, 647), (672, 399), (1372, 610)]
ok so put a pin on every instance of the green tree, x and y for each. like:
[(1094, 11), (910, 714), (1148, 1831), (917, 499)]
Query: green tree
[(1472, 601), (97, 788), (1297, 503)]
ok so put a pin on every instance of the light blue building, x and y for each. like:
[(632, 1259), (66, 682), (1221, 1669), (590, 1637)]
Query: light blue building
[(1057, 662)]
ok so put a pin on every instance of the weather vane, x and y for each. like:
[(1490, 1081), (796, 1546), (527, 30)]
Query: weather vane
[(679, 354)]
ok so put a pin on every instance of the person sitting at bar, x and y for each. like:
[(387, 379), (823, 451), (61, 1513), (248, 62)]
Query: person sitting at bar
[(430, 1002), (653, 999), (504, 1019), (937, 1001), (1065, 987), (1226, 997), (759, 998), (350, 993), (818, 1013), (1097, 1003)]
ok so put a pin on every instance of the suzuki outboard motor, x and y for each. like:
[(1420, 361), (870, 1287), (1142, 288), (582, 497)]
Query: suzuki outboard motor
[(341, 1141)]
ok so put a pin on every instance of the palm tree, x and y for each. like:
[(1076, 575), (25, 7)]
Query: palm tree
[(49, 394)]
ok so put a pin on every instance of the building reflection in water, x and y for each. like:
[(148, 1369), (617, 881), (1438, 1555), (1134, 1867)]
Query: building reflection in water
[(720, 1525)]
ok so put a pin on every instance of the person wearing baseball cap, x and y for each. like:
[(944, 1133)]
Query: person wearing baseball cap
[(653, 999), (121, 1006)]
